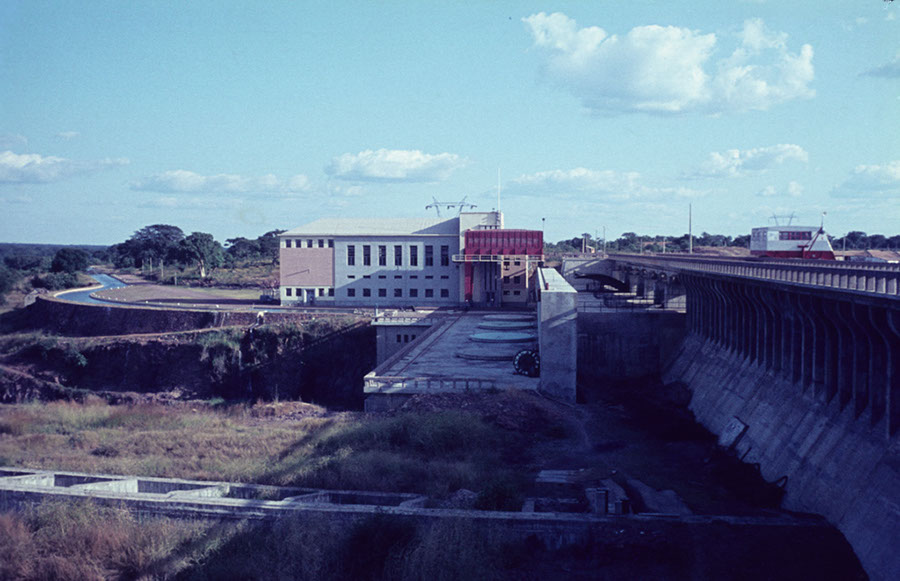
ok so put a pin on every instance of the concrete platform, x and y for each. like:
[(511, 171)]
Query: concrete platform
[(431, 364)]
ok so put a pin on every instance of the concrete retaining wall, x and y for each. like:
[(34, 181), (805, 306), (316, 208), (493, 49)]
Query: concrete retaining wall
[(625, 346), (90, 320), (830, 461)]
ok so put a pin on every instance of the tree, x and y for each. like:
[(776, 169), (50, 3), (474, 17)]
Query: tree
[(158, 242), (203, 249), (268, 245), (70, 260), (243, 248)]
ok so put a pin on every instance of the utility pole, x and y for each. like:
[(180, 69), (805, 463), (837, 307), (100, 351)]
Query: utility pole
[(604, 240)]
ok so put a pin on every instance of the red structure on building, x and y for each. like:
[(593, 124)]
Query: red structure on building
[(499, 265)]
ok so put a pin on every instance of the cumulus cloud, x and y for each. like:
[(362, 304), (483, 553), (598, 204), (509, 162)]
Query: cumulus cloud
[(889, 70), (394, 165), (32, 168), (667, 69), (736, 163), (871, 180), (793, 189), (183, 181), (606, 184)]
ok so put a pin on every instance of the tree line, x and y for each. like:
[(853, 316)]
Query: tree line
[(160, 245), (632, 242)]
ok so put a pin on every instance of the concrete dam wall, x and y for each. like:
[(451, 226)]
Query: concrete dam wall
[(829, 461)]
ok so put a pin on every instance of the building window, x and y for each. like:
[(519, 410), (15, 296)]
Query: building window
[(331, 292), (414, 256), (367, 255), (398, 276), (406, 338), (382, 292), (367, 276), (429, 293), (505, 293), (445, 256), (429, 276), (517, 279), (505, 279), (382, 276), (321, 243), (413, 292), (330, 243), (429, 256), (399, 338), (367, 292), (398, 255), (351, 255), (351, 292), (518, 263), (351, 276), (287, 243), (445, 294), (398, 292), (414, 276), (309, 243), (287, 291), (382, 256), (517, 293), (445, 276), (321, 292), (505, 264)]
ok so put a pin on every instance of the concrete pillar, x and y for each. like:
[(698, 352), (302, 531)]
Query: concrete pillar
[(892, 402), (879, 371), (860, 366), (557, 335), (845, 354)]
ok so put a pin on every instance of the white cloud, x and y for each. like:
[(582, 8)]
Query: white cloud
[(871, 180), (193, 203), (793, 189), (607, 184), (35, 168), (890, 70), (68, 135), (394, 165), (736, 163), (666, 69), (13, 141), (183, 181)]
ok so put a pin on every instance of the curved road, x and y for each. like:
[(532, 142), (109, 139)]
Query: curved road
[(84, 296)]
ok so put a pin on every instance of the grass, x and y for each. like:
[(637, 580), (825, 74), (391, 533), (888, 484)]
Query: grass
[(434, 453)]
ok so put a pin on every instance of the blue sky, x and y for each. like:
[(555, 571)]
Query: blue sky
[(239, 118)]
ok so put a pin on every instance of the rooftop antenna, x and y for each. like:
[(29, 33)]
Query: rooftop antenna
[(790, 218), (498, 190), (462, 205)]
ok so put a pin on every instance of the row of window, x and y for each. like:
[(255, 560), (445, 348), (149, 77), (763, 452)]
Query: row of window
[(400, 276), (310, 243), (322, 292), (398, 293), (795, 235), (515, 280), (382, 250)]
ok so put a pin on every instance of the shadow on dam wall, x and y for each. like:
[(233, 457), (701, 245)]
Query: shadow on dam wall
[(619, 348)]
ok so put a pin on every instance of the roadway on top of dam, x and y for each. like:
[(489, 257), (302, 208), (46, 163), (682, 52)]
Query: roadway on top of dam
[(861, 277)]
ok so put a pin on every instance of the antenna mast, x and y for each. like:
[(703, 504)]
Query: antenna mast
[(462, 205)]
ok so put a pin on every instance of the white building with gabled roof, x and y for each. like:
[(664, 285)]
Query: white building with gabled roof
[(390, 262)]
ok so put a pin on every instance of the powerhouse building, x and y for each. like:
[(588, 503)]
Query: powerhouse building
[(398, 262)]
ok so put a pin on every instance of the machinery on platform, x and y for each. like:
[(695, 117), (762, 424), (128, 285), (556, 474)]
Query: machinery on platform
[(809, 242)]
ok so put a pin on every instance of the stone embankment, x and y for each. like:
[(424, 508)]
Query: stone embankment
[(91, 320), (828, 459)]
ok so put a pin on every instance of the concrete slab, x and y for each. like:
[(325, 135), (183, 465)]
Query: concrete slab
[(431, 365)]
